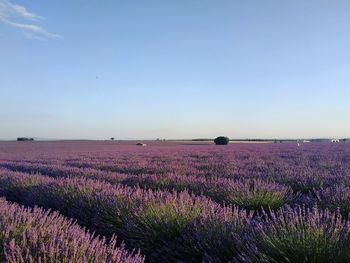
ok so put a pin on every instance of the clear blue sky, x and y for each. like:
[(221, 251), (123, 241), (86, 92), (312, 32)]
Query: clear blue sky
[(174, 69)]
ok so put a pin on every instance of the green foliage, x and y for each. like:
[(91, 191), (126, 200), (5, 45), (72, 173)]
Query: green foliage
[(157, 224), (258, 199)]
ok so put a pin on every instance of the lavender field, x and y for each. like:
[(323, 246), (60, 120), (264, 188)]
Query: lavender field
[(174, 202)]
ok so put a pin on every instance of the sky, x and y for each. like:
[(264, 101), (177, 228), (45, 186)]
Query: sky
[(77, 69)]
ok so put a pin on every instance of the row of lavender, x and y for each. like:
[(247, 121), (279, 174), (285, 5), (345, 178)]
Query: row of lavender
[(172, 227), (35, 235), (244, 193), (166, 226), (328, 190)]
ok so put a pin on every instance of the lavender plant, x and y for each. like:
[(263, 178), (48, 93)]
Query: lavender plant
[(334, 198), (303, 235), (143, 219), (35, 235)]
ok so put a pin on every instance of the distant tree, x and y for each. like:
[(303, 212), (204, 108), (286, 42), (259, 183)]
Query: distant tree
[(221, 140), (112, 138), (21, 139)]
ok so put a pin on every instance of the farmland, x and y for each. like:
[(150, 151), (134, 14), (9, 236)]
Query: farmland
[(174, 202)]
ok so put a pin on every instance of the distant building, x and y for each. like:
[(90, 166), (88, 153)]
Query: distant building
[(335, 140), (306, 141)]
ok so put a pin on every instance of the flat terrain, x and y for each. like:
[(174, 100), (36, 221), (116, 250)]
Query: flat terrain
[(189, 202)]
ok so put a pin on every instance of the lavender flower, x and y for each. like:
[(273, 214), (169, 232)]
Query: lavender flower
[(35, 235)]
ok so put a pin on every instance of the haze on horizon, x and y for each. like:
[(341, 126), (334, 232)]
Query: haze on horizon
[(174, 69)]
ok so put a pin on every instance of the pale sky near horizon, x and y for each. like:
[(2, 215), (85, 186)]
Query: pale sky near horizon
[(174, 69)]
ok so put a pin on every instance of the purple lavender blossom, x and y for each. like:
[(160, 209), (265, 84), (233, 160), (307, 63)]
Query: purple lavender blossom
[(35, 235)]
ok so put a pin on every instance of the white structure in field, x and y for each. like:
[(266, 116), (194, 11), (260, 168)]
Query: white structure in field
[(335, 140)]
